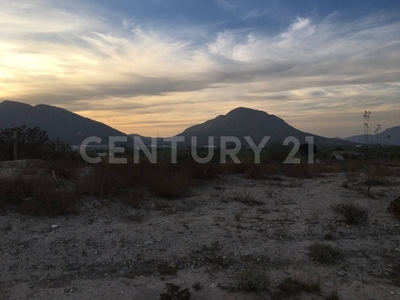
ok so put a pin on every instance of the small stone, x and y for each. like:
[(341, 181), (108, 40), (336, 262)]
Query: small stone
[(54, 226), (214, 285)]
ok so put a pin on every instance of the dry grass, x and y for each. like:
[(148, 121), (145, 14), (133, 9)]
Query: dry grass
[(323, 253), (374, 174), (255, 171), (169, 185), (64, 170), (37, 196), (14, 190), (295, 287)]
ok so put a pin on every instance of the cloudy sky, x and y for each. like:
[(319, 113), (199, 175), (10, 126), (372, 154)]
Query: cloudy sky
[(148, 66)]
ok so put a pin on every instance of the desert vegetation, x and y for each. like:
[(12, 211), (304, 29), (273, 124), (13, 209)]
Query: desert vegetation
[(189, 231)]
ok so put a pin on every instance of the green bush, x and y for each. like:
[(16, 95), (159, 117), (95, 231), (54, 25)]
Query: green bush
[(252, 280)]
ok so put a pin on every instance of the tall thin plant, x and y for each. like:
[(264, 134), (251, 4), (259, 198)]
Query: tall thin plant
[(372, 166)]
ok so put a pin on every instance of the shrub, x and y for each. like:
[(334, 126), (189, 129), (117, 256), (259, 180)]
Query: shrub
[(333, 295), (174, 292), (50, 201), (303, 170), (293, 286), (167, 269), (30, 142), (37, 196), (198, 171), (353, 214), (252, 280), (375, 174), (14, 189), (107, 180), (99, 181), (63, 170), (329, 236), (197, 286), (323, 253), (394, 207), (169, 185)]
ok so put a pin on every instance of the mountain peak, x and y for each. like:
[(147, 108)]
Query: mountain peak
[(9, 103), (58, 122), (245, 110)]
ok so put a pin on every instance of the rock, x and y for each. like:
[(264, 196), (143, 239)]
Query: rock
[(54, 226)]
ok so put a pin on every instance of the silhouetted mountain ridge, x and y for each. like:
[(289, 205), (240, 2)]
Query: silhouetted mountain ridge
[(58, 122), (390, 136), (241, 122)]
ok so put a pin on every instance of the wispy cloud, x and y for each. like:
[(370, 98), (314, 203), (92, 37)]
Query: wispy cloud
[(90, 62)]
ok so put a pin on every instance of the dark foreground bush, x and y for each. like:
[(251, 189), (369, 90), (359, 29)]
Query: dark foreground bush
[(353, 214), (394, 207), (36, 196), (174, 292), (323, 253), (169, 185), (294, 287)]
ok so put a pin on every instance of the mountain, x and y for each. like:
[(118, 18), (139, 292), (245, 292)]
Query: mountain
[(256, 124), (56, 121), (390, 136)]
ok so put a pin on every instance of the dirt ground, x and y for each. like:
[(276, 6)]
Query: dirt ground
[(113, 251)]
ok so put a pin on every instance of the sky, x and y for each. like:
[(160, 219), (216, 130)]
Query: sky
[(156, 67)]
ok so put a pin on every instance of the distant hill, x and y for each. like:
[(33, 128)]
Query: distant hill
[(56, 121), (390, 136), (242, 122)]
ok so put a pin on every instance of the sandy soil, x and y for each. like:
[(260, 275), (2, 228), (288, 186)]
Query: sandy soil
[(113, 251)]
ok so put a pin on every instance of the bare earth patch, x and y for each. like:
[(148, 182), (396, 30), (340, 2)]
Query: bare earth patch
[(112, 250)]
